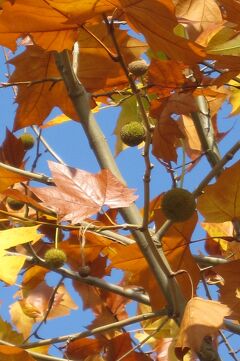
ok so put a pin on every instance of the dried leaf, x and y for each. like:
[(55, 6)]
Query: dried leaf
[(201, 318), (79, 194)]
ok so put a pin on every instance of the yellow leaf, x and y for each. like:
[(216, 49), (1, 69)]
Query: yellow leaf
[(221, 200), (7, 178), (13, 265), (22, 322), (15, 236)]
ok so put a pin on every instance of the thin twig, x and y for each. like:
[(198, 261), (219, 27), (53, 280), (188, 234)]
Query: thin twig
[(98, 330), (90, 280), (145, 339), (216, 169), (42, 178)]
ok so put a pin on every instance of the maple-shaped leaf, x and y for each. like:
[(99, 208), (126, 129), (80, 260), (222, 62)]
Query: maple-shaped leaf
[(201, 318), (47, 26), (221, 200), (96, 70), (79, 194), (198, 15)]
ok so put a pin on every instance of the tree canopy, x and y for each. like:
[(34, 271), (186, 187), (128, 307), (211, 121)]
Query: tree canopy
[(170, 67)]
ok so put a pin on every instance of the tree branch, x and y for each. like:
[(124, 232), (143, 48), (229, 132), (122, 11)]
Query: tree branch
[(98, 143), (97, 330)]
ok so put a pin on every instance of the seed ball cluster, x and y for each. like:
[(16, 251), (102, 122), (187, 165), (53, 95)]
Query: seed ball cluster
[(138, 67), (178, 204), (55, 258), (14, 204), (28, 140), (133, 133)]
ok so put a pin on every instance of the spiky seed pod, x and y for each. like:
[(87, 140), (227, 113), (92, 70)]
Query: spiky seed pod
[(28, 140), (55, 258), (14, 204), (138, 67), (133, 133), (178, 204), (84, 271)]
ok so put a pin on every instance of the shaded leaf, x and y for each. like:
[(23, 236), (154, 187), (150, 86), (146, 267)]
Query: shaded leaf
[(79, 194), (201, 318), (165, 139)]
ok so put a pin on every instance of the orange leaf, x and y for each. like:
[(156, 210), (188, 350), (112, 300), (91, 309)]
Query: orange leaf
[(130, 259), (221, 202), (165, 139), (155, 19), (83, 348), (200, 15), (175, 245), (229, 292), (201, 318), (79, 194), (9, 178), (120, 345), (13, 353), (47, 26)]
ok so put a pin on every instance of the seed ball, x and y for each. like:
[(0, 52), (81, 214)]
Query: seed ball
[(14, 204), (55, 258), (133, 133), (138, 67), (28, 140), (178, 204), (84, 271)]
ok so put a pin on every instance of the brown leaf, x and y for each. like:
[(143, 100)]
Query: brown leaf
[(165, 140), (79, 194), (12, 150), (201, 318)]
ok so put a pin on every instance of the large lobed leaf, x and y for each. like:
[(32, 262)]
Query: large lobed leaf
[(79, 194)]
